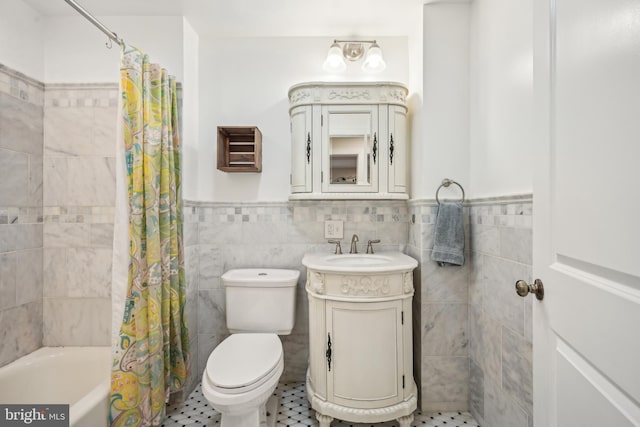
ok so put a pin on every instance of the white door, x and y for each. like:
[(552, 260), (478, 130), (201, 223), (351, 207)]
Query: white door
[(586, 364)]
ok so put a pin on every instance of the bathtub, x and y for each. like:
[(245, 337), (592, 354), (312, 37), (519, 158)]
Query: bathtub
[(78, 376)]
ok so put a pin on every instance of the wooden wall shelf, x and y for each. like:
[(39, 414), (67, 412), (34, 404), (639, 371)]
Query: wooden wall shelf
[(239, 149)]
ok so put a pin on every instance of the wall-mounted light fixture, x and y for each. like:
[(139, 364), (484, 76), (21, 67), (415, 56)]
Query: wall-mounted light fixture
[(353, 50)]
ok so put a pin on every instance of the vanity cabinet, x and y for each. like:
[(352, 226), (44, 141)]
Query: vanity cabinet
[(349, 141), (360, 346)]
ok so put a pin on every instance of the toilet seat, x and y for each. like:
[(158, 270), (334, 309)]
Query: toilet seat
[(243, 362)]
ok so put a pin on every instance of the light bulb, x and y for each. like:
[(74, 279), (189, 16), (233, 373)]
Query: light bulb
[(335, 60), (373, 61)]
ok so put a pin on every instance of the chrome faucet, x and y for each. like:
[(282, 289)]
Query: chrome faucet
[(338, 250), (354, 247), (370, 245)]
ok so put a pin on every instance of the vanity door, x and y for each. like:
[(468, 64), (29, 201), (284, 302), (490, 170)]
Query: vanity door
[(350, 148), (365, 365), (301, 149), (398, 146)]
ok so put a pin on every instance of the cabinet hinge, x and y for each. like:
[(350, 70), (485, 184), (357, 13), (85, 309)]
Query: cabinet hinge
[(322, 120), (321, 176), (290, 179), (403, 381), (402, 317)]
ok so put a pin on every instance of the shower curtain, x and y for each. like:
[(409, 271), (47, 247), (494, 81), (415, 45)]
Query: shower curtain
[(150, 336)]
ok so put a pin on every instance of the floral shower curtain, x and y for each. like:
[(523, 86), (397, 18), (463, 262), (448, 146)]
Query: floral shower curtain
[(151, 352)]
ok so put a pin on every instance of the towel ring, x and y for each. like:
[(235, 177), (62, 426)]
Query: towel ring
[(447, 182)]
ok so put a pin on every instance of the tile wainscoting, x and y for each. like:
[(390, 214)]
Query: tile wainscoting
[(223, 236), (473, 350), (440, 316), (500, 326)]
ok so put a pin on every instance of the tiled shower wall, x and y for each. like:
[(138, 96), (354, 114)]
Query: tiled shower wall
[(500, 326), (277, 235), (21, 100), (79, 199)]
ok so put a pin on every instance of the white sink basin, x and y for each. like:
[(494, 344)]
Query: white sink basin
[(357, 259), (359, 263)]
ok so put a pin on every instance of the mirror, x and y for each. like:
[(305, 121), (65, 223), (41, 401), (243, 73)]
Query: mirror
[(350, 160), (350, 148)]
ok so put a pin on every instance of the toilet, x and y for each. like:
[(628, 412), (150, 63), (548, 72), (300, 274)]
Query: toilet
[(243, 370)]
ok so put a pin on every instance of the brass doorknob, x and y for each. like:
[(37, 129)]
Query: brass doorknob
[(523, 288)]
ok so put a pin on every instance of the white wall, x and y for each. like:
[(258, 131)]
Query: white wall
[(75, 52), (244, 82), (21, 38), (190, 117), (441, 148), (501, 98)]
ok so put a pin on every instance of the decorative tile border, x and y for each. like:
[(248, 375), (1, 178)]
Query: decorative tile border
[(18, 85), (517, 215), (508, 211), (79, 214), (63, 95), (289, 212), (20, 215)]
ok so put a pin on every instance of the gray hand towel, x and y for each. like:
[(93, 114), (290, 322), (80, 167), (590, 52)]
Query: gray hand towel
[(448, 239)]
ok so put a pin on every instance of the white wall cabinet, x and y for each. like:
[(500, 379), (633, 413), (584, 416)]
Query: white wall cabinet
[(349, 141), (360, 347)]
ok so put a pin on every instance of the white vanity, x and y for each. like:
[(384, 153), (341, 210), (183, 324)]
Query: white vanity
[(349, 141), (360, 337)]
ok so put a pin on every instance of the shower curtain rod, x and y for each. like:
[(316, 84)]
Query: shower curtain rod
[(113, 36)]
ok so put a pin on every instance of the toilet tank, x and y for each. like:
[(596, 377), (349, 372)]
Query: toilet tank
[(260, 300)]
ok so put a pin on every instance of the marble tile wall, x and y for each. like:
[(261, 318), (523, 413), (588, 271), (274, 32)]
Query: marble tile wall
[(21, 149), (78, 209), (277, 235), (191, 261), (441, 323), (500, 329)]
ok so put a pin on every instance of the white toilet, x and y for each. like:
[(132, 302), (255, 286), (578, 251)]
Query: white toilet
[(243, 370)]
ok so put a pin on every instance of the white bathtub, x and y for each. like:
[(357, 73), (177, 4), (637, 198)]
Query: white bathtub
[(79, 376)]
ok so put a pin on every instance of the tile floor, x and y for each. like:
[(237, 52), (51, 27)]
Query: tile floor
[(295, 411)]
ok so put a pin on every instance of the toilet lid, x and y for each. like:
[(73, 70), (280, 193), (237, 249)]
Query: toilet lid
[(243, 359)]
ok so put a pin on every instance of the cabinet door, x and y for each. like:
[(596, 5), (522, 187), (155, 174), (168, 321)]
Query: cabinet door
[(301, 149), (398, 146), (350, 149), (366, 353)]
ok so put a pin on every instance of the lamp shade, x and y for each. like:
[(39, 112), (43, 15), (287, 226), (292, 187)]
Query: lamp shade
[(335, 59), (373, 61)]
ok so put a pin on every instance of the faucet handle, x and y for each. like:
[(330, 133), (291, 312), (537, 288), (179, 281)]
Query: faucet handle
[(338, 247), (370, 246)]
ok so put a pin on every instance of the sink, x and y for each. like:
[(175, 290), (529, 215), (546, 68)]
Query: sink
[(358, 259), (359, 263)]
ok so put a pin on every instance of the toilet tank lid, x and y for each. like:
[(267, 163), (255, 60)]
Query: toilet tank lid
[(256, 277)]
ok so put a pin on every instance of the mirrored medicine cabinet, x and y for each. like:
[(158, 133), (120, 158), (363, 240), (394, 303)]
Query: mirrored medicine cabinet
[(348, 141)]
